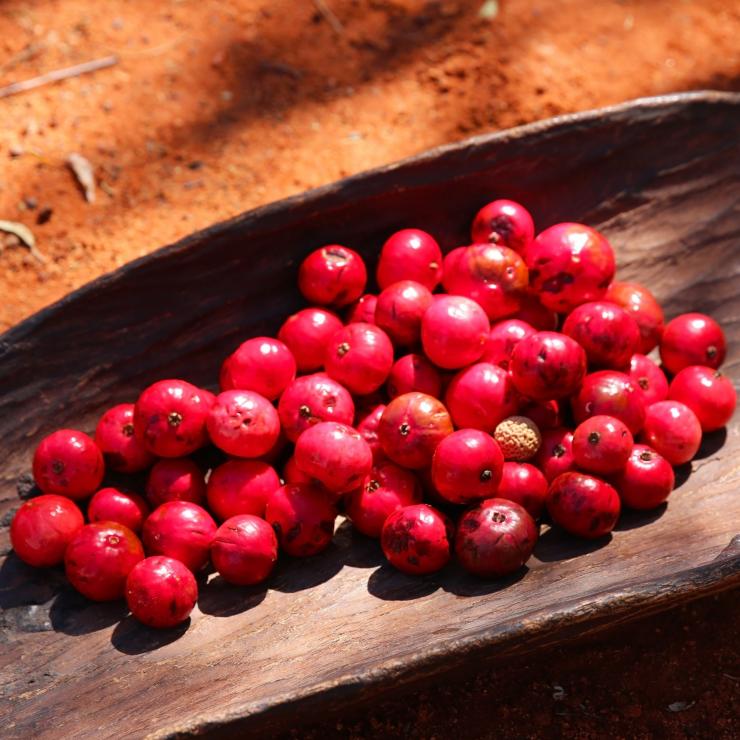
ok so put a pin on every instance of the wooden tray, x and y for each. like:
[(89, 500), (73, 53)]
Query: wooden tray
[(660, 177)]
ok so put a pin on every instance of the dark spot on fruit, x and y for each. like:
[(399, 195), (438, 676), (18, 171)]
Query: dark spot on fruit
[(594, 438), (372, 486), (557, 282), (342, 349), (292, 533), (498, 517), (246, 421), (174, 418), (57, 467), (413, 560), (173, 607), (486, 475), (542, 355), (558, 450), (646, 456), (711, 352), (304, 412), (643, 383), (404, 429), (128, 430), (470, 524)]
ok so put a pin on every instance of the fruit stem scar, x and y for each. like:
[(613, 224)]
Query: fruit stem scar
[(174, 418)]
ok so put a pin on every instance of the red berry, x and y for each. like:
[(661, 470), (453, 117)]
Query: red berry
[(43, 527), (241, 487), (650, 378), (504, 336), (332, 276), (555, 455), (360, 357), (708, 393), (467, 466), (115, 505), (417, 539), (646, 481), (175, 479), (673, 431), (306, 335), (545, 414), (362, 311), (640, 303), (399, 311), (410, 254), (535, 314), (68, 463), (292, 474), (583, 505), (244, 550), (610, 393), (263, 365), (602, 444), (303, 517), (525, 485), (243, 423), (161, 592), (504, 222), (692, 339), (99, 558), (414, 373), (495, 539), (114, 435)]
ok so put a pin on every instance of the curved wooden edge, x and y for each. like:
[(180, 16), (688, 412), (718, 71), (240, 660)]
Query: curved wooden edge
[(576, 620)]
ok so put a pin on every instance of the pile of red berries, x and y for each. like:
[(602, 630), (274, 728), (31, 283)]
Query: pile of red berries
[(469, 399)]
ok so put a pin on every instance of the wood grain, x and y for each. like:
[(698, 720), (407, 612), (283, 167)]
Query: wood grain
[(660, 177)]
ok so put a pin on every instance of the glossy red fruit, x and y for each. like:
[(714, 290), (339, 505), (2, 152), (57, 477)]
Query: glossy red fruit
[(555, 455), (496, 538), (244, 550), (368, 425), (547, 365), (607, 333), (332, 276), (673, 431), (545, 414), (692, 339), (503, 222), (640, 303), (417, 539), (399, 311), (170, 418), (481, 396), (413, 373), (583, 505), (708, 393), (360, 357), (362, 311), (410, 254), (243, 423), (43, 527), (68, 463), (387, 488), (411, 427), (467, 466), (292, 474), (306, 335), (610, 393), (535, 314), (175, 479), (99, 558), (161, 592), (115, 437), (650, 378), (263, 365), (115, 505), (241, 487), (504, 336), (570, 264), (525, 485), (602, 444), (180, 530), (311, 399), (647, 479), (303, 517), (454, 332)]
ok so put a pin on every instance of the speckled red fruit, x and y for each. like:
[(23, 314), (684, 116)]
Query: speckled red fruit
[(334, 454), (607, 333), (525, 485), (410, 254), (161, 592), (180, 530), (454, 332), (367, 425), (467, 466), (99, 558), (535, 314), (387, 488), (115, 437), (495, 538), (503, 222), (362, 311), (481, 396), (306, 335), (244, 550), (650, 378), (555, 455), (570, 264), (504, 336), (68, 463), (708, 393), (610, 393), (602, 444), (115, 505), (170, 418), (43, 527), (547, 365), (241, 487), (640, 303), (411, 427), (311, 399), (545, 414), (332, 276), (303, 517), (692, 339), (647, 479), (583, 505), (417, 539), (672, 430), (413, 373), (263, 365), (175, 479), (360, 357), (243, 423), (492, 275), (399, 310)]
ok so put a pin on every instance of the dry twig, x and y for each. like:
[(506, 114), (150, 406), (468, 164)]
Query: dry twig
[(328, 14)]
